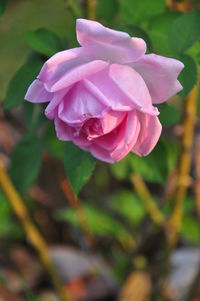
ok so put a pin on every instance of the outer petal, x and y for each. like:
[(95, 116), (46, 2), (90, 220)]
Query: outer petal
[(101, 85), (73, 73), (51, 109), (149, 134), (100, 153), (109, 44), (66, 67), (37, 93), (56, 64), (160, 75), (133, 86), (63, 131)]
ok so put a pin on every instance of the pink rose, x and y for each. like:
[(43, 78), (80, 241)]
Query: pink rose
[(101, 94)]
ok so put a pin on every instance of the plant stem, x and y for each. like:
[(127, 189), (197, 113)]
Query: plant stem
[(79, 210), (32, 232), (183, 178), (147, 199), (197, 174), (91, 5)]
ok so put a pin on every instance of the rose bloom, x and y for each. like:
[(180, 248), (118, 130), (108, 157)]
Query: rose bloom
[(101, 94)]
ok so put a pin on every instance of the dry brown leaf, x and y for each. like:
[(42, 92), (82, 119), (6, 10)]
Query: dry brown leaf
[(137, 288)]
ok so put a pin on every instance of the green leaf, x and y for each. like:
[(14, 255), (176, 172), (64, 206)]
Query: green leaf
[(194, 52), (129, 206), (190, 229), (169, 115), (3, 4), (160, 43), (25, 162), (189, 204), (107, 10), (188, 76), (138, 11), (162, 22), (34, 116), (20, 82), (79, 166), (99, 223), (154, 167), (55, 147), (44, 41), (184, 31), (158, 28)]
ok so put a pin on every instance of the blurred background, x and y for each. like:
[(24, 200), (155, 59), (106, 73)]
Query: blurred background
[(133, 231)]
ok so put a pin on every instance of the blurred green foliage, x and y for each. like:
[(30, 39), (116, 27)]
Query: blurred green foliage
[(79, 166), (20, 82), (26, 161), (9, 227), (166, 32), (3, 5), (99, 224)]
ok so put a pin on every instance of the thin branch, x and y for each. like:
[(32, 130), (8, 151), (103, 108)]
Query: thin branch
[(147, 199), (170, 187), (197, 174), (33, 234), (91, 6), (183, 179), (79, 210)]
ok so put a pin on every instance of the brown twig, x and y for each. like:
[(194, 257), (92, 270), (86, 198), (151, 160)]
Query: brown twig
[(183, 179), (80, 213), (5, 137), (33, 234), (148, 201), (170, 187), (91, 5), (197, 174)]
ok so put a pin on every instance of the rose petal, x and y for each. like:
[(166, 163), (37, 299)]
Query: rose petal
[(111, 120), (100, 153), (55, 66), (109, 44), (80, 104), (101, 85), (63, 131), (51, 109), (149, 134), (102, 126), (74, 73), (133, 86), (37, 93), (129, 138), (120, 141), (160, 75)]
